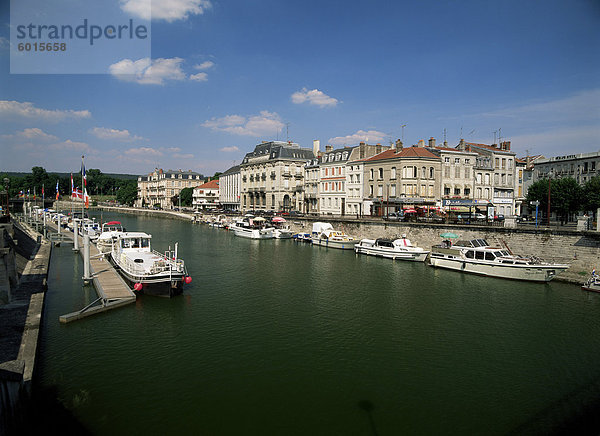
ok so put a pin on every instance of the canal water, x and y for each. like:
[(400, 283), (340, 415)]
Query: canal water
[(278, 337)]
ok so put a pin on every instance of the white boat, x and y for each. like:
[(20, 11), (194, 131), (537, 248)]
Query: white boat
[(592, 284), (400, 248), (108, 236), (280, 229), (88, 227), (146, 270), (478, 257), (252, 228), (324, 235)]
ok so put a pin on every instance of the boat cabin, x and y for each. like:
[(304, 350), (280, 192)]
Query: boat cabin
[(137, 241)]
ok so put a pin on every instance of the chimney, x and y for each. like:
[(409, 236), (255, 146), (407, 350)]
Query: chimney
[(377, 148), (421, 143), (316, 147), (461, 145), (328, 148), (505, 145), (432, 142), (399, 146), (361, 150)]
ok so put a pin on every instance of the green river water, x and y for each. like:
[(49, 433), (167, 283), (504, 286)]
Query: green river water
[(278, 337)]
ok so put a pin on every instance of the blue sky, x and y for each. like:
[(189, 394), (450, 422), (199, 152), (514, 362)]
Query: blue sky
[(225, 75)]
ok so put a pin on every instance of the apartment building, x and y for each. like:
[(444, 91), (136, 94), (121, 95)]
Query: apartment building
[(272, 176), (159, 187), (206, 196), (229, 189), (402, 177)]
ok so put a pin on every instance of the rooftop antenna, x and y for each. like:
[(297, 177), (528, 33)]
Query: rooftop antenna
[(471, 132), (403, 126), (287, 132), (500, 135), (461, 135), (444, 135), (495, 131)]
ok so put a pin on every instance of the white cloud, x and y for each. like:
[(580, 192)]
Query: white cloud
[(204, 65), (148, 71), (266, 123), (143, 151), (28, 110), (32, 134), (229, 149), (168, 10), (200, 77), (314, 97), (360, 136), (114, 134), (70, 145), (581, 106)]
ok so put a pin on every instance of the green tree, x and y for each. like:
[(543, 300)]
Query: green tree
[(565, 196), (591, 194), (186, 196), (127, 193)]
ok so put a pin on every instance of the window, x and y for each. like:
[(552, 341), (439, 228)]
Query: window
[(487, 179), (358, 178), (456, 191), (467, 161), (478, 192), (380, 190), (423, 172), (370, 190), (446, 190), (431, 173), (393, 173), (446, 160), (393, 191), (380, 173), (457, 160), (467, 192), (371, 174), (351, 178)]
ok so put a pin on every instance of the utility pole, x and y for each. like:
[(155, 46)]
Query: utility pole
[(549, 184)]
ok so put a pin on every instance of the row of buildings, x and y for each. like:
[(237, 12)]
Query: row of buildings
[(370, 179)]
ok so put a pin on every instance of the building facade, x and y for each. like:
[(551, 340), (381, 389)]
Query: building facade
[(581, 167), (159, 187), (229, 189), (272, 176), (206, 196), (402, 178)]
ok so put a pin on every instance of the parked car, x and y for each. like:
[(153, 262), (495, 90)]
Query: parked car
[(499, 217), (296, 213), (394, 216), (471, 217)]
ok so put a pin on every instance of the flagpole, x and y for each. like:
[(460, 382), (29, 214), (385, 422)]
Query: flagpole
[(83, 189)]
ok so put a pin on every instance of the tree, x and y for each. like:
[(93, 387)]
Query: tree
[(186, 196), (127, 193), (591, 194), (565, 196)]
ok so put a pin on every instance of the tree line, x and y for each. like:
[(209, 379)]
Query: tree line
[(98, 184)]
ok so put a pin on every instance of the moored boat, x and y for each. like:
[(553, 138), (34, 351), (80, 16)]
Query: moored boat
[(108, 236), (400, 248), (592, 284), (478, 257), (146, 270), (323, 234), (252, 228)]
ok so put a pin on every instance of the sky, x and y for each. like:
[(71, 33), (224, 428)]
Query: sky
[(217, 77)]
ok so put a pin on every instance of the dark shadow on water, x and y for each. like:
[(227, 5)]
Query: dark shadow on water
[(578, 413), (44, 414), (368, 407)]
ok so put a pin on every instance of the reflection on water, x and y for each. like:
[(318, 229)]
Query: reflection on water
[(275, 337)]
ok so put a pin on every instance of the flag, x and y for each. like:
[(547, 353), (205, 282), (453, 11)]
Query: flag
[(28, 192), (86, 198), (76, 193), (21, 195), (42, 191), (72, 184), (83, 173), (56, 190)]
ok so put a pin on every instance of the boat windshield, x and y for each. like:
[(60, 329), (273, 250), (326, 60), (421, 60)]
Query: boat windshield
[(479, 243)]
